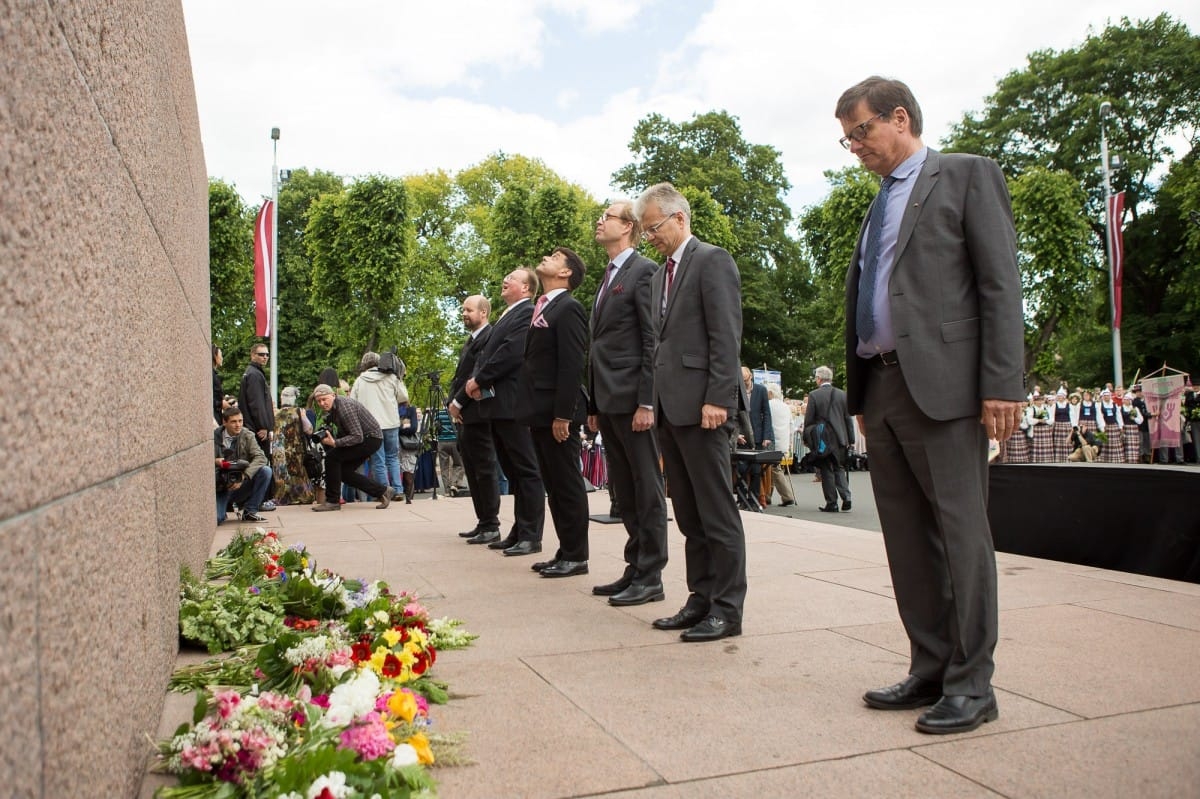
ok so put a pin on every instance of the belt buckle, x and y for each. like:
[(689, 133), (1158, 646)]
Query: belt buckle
[(889, 358)]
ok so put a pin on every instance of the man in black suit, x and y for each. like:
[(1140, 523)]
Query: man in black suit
[(621, 405), (552, 405), (759, 410), (495, 385), (934, 365), (828, 404), (697, 296), (474, 432)]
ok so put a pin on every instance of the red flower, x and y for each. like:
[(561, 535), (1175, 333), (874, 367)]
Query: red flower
[(360, 651), (391, 666)]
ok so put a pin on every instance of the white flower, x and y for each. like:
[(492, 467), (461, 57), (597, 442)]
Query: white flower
[(404, 755), (382, 617), (351, 699), (335, 781), (290, 795), (309, 648)]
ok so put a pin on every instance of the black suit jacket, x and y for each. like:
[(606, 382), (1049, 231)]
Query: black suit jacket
[(552, 369), (621, 366), (463, 372), (828, 404), (498, 366), (760, 414)]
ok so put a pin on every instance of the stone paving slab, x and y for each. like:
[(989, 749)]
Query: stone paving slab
[(566, 696)]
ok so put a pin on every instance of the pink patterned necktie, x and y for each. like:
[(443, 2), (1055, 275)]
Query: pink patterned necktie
[(537, 310), (603, 293)]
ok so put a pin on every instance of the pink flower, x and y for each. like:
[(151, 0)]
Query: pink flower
[(227, 702), (368, 737)]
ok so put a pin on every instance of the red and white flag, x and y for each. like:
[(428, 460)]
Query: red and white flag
[(1116, 244), (264, 241)]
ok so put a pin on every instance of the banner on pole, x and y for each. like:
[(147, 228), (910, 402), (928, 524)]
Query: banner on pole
[(263, 242), (1163, 397), (1116, 215)]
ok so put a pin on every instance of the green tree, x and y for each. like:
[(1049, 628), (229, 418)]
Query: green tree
[(748, 184), (230, 278)]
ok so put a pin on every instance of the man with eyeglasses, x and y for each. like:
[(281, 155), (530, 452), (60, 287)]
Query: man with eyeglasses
[(254, 398), (621, 405), (934, 368), (697, 300)]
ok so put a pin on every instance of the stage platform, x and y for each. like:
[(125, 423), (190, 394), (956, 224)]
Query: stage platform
[(1134, 518), (566, 696)]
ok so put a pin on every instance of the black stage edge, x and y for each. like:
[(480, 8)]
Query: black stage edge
[(1141, 518)]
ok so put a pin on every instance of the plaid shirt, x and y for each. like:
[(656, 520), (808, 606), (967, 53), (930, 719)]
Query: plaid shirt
[(354, 422)]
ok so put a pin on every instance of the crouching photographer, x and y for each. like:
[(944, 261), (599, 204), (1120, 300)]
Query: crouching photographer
[(359, 435), (243, 475)]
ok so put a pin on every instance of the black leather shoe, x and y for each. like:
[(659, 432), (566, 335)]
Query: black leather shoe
[(912, 691), (503, 543), (523, 548), (682, 620), (638, 595), (566, 568), (846, 505), (543, 564), (830, 508), (958, 714), (470, 533), (785, 503), (484, 537), (615, 587), (713, 628)]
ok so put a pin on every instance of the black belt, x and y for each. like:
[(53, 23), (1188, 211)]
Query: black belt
[(884, 359)]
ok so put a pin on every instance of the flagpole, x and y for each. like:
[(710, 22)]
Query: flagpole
[(274, 306), (1105, 111)]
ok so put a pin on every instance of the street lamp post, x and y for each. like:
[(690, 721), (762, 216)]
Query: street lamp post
[(274, 301), (1106, 111)]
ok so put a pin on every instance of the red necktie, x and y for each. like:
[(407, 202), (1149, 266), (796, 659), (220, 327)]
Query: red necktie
[(603, 293), (670, 279)]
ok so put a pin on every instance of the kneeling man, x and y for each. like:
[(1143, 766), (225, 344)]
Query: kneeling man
[(232, 442)]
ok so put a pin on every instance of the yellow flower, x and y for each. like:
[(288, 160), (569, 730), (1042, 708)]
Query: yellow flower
[(421, 744), (392, 637), (377, 658), (403, 705)]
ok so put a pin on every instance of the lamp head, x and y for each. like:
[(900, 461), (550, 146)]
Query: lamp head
[(1105, 109), (275, 134)]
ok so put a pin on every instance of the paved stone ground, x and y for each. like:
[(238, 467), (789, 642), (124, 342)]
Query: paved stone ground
[(565, 696)]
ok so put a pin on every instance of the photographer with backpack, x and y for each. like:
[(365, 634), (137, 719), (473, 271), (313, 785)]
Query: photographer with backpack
[(828, 434)]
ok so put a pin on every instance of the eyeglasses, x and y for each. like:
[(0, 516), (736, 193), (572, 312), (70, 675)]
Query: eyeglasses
[(859, 131), (653, 229), (262, 354), (606, 216)]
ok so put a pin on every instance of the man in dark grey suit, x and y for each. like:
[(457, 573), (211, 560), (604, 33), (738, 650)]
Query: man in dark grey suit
[(621, 406), (474, 431), (828, 404), (934, 360), (697, 295), (495, 385)]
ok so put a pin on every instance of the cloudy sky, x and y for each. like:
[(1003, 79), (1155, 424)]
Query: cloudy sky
[(396, 87)]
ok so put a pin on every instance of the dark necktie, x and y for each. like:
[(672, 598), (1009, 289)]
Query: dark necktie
[(864, 316), (603, 293), (667, 287)]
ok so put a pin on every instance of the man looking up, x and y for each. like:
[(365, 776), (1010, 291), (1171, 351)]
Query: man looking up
[(934, 360), (474, 431), (621, 405), (552, 404), (697, 296)]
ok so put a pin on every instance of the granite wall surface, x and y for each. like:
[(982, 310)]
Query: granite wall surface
[(104, 320)]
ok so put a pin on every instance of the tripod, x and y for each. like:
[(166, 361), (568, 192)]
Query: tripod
[(432, 420)]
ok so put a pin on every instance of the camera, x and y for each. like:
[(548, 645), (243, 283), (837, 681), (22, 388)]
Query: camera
[(434, 377), (318, 435)]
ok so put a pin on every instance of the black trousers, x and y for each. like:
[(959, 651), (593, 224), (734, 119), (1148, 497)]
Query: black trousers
[(636, 476), (514, 450), (563, 478), (479, 464), (345, 461)]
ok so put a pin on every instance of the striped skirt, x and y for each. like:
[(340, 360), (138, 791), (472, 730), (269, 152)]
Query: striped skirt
[(1016, 449), (1112, 451), (1087, 426), (1131, 439), (1041, 449), (1062, 441)]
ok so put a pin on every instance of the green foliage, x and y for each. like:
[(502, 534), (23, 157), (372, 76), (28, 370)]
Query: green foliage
[(231, 279), (224, 617)]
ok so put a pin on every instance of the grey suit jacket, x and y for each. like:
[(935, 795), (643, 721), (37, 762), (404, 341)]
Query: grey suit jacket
[(621, 362), (828, 404), (955, 292), (696, 360)]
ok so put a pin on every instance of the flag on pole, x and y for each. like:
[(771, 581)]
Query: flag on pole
[(1116, 214), (263, 242)]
